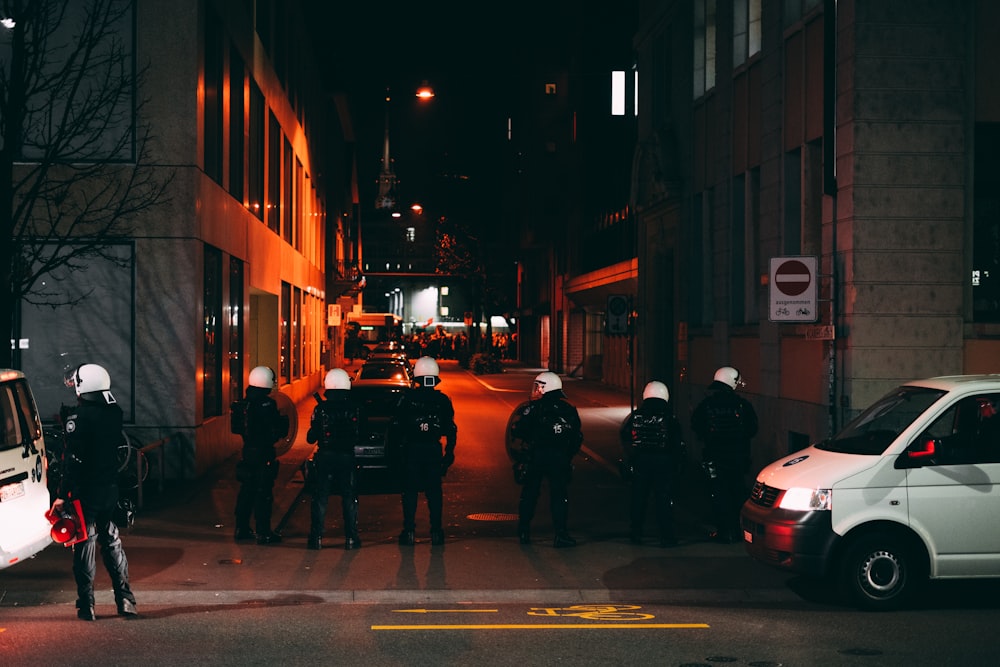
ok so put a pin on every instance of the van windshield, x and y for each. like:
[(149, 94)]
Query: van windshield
[(875, 428)]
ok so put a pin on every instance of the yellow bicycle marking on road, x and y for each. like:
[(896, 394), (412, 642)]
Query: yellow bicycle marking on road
[(593, 612)]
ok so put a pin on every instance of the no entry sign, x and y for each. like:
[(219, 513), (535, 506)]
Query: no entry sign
[(793, 289)]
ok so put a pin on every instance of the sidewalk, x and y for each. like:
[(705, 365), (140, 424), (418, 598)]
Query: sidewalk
[(181, 548)]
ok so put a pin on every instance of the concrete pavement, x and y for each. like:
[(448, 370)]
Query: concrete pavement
[(181, 551)]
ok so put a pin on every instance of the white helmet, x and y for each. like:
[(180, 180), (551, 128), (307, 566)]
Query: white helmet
[(544, 383), (337, 378), (91, 377), (656, 389), (424, 368), (262, 377), (729, 376)]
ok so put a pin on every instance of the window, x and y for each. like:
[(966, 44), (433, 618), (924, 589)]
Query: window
[(286, 333), (746, 30), (235, 328), (796, 10), (214, 76), (986, 226), (967, 433), (236, 125), (212, 332), (704, 46), (255, 157), (273, 174)]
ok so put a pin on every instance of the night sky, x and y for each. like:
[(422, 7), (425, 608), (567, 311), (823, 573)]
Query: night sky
[(468, 52)]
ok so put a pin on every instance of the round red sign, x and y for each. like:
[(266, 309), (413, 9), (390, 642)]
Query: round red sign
[(792, 277)]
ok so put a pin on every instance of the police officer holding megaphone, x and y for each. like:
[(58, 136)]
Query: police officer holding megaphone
[(89, 487)]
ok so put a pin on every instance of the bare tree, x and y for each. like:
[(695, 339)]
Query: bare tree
[(75, 169), (459, 253)]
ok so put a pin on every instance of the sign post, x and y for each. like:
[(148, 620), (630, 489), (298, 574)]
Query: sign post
[(793, 289)]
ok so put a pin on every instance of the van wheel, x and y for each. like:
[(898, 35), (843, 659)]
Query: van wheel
[(880, 573)]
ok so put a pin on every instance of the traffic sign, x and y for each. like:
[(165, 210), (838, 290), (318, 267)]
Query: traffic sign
[(793, 289)]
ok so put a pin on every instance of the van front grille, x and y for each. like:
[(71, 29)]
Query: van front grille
[(764, 495)]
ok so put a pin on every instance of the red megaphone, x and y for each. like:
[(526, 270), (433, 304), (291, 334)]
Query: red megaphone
[(68, 526), (63, 530)]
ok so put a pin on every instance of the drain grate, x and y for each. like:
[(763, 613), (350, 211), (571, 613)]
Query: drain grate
[(492, 516)]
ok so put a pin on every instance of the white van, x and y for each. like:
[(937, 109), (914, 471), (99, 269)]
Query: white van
[(909, 490), (24, 493)]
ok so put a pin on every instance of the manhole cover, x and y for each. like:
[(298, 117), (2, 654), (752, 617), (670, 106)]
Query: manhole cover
[(231, 561), (492, 516)]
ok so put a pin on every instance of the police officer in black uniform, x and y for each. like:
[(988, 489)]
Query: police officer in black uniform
[(256, 418), (334, 427), (90, 475), (549, 426), (654, 454), (425, 416), (725, 422)]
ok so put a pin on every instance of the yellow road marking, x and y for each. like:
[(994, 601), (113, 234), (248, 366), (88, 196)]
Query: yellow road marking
[(446, 611), (550, 626)]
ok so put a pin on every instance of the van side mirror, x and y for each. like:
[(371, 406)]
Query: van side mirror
[(919, 453)]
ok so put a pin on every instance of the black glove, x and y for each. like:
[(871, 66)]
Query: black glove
[(520, 472), (446, 462)]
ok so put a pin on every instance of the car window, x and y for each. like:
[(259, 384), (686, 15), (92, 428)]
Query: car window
[(381, 371), (967, 433), (878, 426)]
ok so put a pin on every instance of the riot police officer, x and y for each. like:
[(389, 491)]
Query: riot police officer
[(425, 416), (334, 427), (725, 422), (549, 426), (654, 453), (90, 475), (256, 418)]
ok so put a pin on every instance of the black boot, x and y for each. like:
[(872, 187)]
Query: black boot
[(352, 543), (244, 535), (127, 609), (437, 537), (86, 613), (563, 540), (523, 534), (270, 537), (407, 538), (314, 543)]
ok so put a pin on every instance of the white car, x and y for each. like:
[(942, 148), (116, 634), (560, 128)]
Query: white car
[(908, 491), (24, 493)]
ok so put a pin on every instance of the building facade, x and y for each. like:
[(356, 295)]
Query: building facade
[(229, 270), (854, 134)]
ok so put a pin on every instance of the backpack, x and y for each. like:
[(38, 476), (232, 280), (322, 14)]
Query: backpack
[(339, 421), (238, 417)]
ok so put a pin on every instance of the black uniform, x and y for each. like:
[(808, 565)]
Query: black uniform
[(551, 432), (334, 427), (425, 416), (90, 475), (257, 420), (654, 454), (725, 422)]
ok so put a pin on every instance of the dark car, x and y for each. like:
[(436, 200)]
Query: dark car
[(379, 386)]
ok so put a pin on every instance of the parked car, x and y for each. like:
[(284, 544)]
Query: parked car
[(906, 492)]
